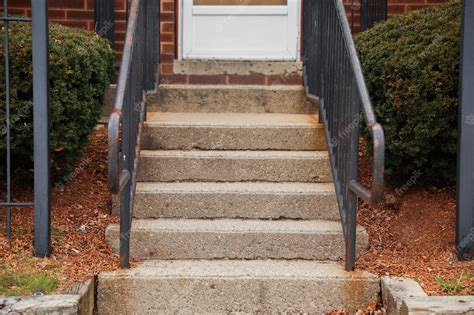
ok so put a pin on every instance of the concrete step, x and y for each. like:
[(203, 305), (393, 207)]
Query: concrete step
[(236, 200), (277, 70), (231, 98), (235, 239), (231, 131), (234, 166), (235, 287)]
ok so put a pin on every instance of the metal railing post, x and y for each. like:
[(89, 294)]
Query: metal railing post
[(465, 172), (364, 15), (41, 123), (383, 10), (104, 17)]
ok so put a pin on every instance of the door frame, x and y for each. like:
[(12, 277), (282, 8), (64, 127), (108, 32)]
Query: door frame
[(180, 28)]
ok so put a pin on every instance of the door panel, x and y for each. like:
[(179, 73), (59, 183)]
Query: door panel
[(217, 29), (240, 2)]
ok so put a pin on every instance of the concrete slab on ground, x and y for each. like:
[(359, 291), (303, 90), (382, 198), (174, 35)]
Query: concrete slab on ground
[(226, 286)]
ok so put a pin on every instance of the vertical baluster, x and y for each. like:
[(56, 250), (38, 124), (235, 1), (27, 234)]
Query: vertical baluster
[(125, 196), (7, 117), (352, 198)]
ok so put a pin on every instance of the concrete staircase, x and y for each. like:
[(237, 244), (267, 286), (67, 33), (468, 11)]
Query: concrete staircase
[(235, 211)]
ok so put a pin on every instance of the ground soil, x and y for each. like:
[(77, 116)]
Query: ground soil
[(412, 235), (80, 213)]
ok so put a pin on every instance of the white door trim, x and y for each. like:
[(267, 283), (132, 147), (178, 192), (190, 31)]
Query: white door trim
[(293, 10), (239, 10)]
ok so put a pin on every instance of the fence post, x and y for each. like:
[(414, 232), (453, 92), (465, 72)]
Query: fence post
[(364, 15), (42, 234), (465, 172), (383, 10), (104, 17)]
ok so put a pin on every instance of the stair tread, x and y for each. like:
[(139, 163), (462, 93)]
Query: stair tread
[(238, 226), (231, 99), (230, 154), (232, 120), (285, 87), (275, 269), (236, 187)]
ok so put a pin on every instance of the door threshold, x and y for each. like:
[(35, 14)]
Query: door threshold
[(236, 67)]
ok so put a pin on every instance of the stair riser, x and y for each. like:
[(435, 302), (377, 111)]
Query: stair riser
[(232, 99), (169, 169), (167, 245), (225, 296), (224, 138), (210, 205)]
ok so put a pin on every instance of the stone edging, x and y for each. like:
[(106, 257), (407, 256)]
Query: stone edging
[(405, 296), (77, 300)]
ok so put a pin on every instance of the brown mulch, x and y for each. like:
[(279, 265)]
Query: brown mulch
[(80, 213), (413, 235)]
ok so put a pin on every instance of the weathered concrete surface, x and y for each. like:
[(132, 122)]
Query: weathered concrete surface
[(86, 293), (234, 166), (40, 305), (230, 131), (77, 300), (452, 305), (236, 200), (236, 239), (395, 290), (243, 287), (231, 98), (217, 67), (108, 103)]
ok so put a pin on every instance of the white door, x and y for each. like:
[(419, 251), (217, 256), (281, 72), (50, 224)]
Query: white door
[(241, 29)]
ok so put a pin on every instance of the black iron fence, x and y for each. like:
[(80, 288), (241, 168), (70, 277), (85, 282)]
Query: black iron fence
[(138, 75), (41, 123), (333, 72), (104, 16), (465, 180), (370, 12)]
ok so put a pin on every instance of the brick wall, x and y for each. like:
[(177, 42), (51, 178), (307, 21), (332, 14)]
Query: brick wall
[(168, 36), (76, 13), (80, 13)]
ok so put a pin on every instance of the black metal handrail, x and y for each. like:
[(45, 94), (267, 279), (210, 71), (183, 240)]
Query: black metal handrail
[(333, 72), (138, 75)]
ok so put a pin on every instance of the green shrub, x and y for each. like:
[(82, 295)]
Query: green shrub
[(411, 64), (81, 66)]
